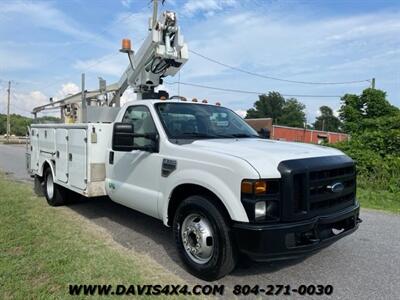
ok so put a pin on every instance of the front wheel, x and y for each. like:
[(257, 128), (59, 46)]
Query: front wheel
[(203, 238)]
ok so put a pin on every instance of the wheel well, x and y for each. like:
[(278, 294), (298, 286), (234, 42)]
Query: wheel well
[(46, 165), (183, 191)]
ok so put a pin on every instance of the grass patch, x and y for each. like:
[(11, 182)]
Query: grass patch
[(376, 199), (44, 249), (375, 193)]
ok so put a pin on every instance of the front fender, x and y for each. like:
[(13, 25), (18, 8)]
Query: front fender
[(209, 181)]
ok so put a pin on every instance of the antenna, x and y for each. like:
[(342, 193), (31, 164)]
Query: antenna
[(155, 13)]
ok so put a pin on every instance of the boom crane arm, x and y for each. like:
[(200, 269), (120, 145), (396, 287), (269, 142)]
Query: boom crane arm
[(163, 53)]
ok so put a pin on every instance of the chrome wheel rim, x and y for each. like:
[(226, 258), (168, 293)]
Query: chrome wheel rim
[(50, 186), (198, 238)]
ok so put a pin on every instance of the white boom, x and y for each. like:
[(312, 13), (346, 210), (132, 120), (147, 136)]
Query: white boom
[(162, 54)]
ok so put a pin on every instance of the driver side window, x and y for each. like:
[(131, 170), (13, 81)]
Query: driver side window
[(143, 123)]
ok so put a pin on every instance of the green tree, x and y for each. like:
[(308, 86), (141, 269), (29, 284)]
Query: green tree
[(3, 124), (374, 125), (327, 120), (283, 112), (293, 114), (267, 106), (19, 124), (372, 103)]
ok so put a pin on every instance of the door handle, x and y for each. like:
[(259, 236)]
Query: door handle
[(111, 158)]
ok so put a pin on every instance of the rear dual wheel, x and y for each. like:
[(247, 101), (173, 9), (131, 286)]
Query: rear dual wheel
[(55, 194), (203, 238)]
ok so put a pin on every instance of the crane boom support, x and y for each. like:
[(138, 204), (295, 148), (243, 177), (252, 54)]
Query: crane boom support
[(163, 53)]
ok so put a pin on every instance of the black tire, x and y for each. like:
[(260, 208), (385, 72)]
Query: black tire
[(56, 197), (224, 255), (38, 186)]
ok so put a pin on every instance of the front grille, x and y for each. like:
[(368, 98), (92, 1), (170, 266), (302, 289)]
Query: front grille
[(307, 186), (321, 197)]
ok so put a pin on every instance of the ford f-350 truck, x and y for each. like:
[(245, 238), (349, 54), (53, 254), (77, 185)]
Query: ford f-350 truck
[(203, 171)]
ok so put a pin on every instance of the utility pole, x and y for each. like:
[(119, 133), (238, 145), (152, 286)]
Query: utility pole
[(8, 112), (373, 83)]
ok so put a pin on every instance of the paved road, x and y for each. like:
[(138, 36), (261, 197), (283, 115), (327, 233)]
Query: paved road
[(363, 265), (12, 160)]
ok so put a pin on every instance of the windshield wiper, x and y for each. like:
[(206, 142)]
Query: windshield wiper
[(238, 135), (186, 135), (244, 135)]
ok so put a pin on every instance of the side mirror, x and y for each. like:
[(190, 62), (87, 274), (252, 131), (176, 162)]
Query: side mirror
[(122, 139), (264, 133)]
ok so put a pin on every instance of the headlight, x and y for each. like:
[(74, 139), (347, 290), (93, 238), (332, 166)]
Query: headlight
[(260, 210), (260, 199)]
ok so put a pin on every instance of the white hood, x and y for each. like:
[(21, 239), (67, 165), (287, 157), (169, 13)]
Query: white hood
[(264, 155)]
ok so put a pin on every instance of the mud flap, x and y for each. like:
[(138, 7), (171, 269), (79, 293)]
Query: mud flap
[(38, 186)]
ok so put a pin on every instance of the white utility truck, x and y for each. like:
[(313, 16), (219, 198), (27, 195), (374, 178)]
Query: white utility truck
[(198, 167)]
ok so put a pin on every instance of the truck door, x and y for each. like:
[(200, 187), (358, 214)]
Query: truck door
[(133, 177)]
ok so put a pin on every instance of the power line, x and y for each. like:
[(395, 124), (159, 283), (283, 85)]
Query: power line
[(86, 41), (15, 97), (248, 92), (274, 78), (95, 63), (101, 59), (81, 40), (20, 108)]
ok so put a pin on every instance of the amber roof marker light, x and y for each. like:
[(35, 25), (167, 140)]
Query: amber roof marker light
[(126, 46)]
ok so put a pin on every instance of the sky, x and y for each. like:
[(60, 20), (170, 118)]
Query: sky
[(46, 45)]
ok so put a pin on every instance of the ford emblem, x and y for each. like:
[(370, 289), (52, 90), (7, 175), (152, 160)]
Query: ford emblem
[(337, 187)]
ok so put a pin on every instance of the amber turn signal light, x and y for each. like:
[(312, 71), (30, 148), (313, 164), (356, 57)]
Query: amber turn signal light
[(260, 187), (254, 187), (247, 187)]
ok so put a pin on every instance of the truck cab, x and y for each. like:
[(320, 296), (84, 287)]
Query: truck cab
[(200, 168), (204, 171)]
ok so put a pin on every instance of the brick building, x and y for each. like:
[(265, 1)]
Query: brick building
[(292, 134)]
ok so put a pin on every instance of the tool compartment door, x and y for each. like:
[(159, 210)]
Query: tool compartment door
[(77, 158), (34, 139), (62, 155)]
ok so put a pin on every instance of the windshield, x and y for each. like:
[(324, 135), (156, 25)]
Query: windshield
[(196, 121)]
